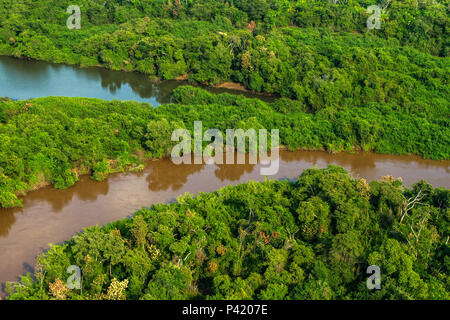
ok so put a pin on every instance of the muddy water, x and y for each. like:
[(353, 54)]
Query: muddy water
[(52, 216)]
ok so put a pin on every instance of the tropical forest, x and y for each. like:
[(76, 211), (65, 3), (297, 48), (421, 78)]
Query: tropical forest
[(94, 207)]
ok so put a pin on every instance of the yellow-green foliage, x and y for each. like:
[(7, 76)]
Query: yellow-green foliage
[(211, 246)]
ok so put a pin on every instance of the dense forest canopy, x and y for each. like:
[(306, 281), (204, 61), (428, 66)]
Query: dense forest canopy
[(341, 86), (312, 238), (53, 140), (318, 52), (419, 23)]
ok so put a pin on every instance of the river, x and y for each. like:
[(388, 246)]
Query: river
[(25, 79), (53, 216)]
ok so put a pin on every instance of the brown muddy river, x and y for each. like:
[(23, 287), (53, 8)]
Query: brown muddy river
[(53, 216)]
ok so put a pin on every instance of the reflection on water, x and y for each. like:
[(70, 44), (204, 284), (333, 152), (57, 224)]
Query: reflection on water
[(52, 216), (165, 175), (226, 172), (24, 79), (7, 219)]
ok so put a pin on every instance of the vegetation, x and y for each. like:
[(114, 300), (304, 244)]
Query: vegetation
[(309, 239), (317, 52), (53, 140), (342, 87)]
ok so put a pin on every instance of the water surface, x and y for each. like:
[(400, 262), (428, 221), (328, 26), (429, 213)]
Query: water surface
[(53, 216), (25, 79)]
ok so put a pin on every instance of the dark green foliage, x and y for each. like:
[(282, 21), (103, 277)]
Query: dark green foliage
[(329, 228), (54, 141), (317, 52)]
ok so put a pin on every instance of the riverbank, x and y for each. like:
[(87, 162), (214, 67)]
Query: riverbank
[(236, 86), (145, 162), (24, 79), (53, 215), (198, 216)]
